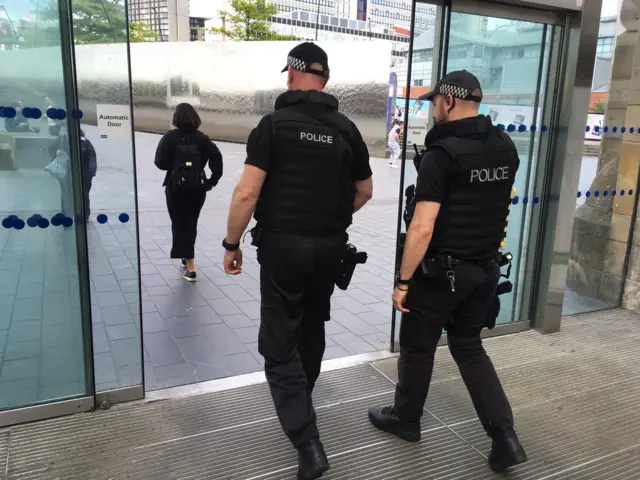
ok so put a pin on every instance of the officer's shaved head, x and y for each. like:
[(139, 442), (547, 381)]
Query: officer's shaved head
[(297, 80)]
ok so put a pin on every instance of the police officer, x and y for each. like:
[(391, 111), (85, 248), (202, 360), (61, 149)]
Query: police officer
[(306, 173), (448, 275)]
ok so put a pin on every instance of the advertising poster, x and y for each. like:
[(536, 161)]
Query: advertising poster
[(418, 118), (594, 120), (508, 114)]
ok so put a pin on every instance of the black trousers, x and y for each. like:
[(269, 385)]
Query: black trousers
[(297, 277), (184, 211), (463, 313)]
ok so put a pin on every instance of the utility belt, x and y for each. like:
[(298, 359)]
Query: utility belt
[(441, 266), (350, 259)]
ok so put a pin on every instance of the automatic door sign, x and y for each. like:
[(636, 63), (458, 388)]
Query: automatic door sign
[(114, 122)]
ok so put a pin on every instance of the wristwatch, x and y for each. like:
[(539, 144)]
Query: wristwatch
[(400, 282), (230, 247)]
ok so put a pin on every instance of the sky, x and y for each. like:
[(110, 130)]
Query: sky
[(210, 8)]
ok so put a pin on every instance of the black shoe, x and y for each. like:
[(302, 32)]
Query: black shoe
[(183, 262), (189, 276), (312, 461), (506, 452), (387, 419)]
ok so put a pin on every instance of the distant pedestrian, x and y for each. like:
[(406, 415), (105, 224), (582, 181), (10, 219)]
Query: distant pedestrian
[(184, 153)]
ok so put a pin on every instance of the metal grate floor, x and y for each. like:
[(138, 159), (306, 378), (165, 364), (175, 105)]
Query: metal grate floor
[(576, 396)]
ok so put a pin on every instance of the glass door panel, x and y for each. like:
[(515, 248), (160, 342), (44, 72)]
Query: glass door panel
[(510, 58), (45, 328)]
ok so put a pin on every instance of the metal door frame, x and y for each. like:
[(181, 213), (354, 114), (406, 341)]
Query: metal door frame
[(564, 109)]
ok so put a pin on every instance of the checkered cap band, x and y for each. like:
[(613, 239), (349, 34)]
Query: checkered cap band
[(454, 91), (296, 63)]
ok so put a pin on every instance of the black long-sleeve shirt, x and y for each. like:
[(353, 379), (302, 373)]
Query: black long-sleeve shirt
[(209, 153)]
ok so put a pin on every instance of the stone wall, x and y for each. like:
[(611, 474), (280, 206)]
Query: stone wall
[(601, 230)]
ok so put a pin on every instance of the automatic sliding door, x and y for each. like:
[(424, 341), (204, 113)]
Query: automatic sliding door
[(415, 75), (511, 57)]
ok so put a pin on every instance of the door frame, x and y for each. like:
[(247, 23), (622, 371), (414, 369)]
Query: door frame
[(564, 108)]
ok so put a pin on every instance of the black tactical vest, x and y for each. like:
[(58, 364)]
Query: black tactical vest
[(472, 219), (308, 189)]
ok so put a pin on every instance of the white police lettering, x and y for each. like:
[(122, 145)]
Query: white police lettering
[(484, 175), (316, 137)]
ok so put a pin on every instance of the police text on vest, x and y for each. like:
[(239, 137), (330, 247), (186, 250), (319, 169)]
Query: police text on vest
[(316, 137), (484, 175)]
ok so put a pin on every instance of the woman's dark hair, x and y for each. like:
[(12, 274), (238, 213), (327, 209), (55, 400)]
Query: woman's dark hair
[(186, 118)]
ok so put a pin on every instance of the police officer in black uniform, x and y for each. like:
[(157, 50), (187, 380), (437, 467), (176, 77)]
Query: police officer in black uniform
[(306, 173), (448, 276)]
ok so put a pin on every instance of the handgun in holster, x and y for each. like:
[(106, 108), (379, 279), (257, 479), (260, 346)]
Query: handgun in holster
[(502, 259), (352, 257)]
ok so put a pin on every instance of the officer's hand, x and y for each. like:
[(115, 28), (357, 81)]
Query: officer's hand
[(233, 262), (399, 297)]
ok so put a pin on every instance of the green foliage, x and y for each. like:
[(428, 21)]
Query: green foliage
[(94, 21), (598, 107), (141, 32), (249, 20)]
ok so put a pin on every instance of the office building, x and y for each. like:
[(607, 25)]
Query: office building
[(168, 18)]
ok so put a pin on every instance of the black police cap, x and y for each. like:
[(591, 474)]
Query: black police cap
[(306, 54), (460, 84)]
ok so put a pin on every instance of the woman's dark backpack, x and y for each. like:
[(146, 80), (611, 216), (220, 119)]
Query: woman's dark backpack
[(187, 173)]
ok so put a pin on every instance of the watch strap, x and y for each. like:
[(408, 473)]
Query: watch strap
[(230, 247)]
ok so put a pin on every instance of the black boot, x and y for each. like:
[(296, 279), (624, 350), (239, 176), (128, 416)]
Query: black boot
[(387, 419), (312, 461), (506, 452)]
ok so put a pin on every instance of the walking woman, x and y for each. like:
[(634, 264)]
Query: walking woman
[(184, 153)]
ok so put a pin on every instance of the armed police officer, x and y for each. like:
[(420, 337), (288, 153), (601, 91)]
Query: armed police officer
[(307, 171), (449, 274)]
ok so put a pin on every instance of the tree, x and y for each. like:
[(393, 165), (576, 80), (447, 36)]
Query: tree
[(598, 107), (249, 20), (141, 32), (94, 21)]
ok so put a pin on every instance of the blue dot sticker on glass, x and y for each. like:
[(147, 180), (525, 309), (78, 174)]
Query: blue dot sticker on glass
[(43, 223), (623, 129), (587, 128), (606, 129), (77, 114), (33, 220), (587, 194), (533, 128), (525, 200), (511, 127), (597, 193), (596, 128), (544, 128), (123, 217), (522, 128), (7, 222), (579, 194), (10, 112), (102, 219), (614, 129), (631, 130), (613, 193), (67, 222), (500, 127), (605, 193), (515, 200), (630, 192), (536, 200), (622, 193), (56, 220), (19, 224)]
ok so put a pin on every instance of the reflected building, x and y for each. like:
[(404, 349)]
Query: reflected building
[(168, 18)]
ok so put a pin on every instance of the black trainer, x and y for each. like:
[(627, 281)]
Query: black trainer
[(189, 276), (387, 419), (183, 262), (506, 452), (312, 461)]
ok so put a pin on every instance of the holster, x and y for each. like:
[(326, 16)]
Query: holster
[(492, 317), (351, 258), (256, 235)]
